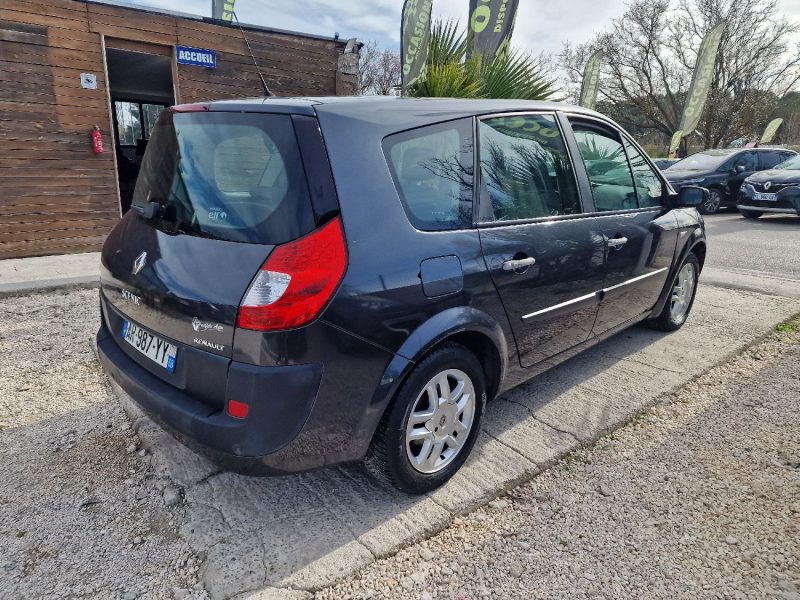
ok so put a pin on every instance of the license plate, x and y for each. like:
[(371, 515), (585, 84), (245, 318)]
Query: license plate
[(153, 347), (765, 197)]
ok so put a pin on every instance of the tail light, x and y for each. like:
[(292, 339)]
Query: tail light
[(296, 281)]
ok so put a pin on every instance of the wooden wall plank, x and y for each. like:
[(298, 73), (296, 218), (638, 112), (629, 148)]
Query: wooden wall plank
[(45, 246), (38, 15), (81, 224), (22, 75), (116, 31), (85, 60)]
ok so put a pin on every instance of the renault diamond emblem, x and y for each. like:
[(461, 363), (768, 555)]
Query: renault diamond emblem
[(139, 263), (767, 185)]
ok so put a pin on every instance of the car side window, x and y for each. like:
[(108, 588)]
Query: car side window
[(771, 159), (607, 166), (526, 172), (432, 171), (748, 160), (649, 188)]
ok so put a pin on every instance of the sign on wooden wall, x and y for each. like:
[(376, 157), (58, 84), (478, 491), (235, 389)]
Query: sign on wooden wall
[(197, 57)]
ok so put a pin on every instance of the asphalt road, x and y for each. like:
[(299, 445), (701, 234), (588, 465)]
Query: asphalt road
[(769, 245)]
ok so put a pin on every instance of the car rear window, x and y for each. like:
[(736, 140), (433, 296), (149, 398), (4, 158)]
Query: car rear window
[(232, 176)]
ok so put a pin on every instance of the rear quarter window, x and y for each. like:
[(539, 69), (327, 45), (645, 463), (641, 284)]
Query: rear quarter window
[(433, 172)]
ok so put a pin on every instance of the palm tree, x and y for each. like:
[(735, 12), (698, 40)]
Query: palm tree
[(452, 73)]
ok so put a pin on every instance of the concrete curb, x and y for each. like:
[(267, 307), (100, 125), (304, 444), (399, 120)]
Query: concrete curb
[(751, 282), (48, 285), (21, 276)]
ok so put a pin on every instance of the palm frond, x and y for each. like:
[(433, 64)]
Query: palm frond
[(446, 81), (450, 73), (516, 75), (447, 45)]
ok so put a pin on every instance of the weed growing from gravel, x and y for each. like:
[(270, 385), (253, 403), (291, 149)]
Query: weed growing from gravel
[(790, 327)]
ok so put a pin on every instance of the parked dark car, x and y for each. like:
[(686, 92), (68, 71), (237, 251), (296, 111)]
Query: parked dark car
[(773, 191), (723, 171), (306, 282)]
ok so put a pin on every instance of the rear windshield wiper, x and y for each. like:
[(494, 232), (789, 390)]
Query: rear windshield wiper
[(147, 211), (155, 209)]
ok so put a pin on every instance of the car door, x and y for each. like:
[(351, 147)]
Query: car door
[(638, 233), (741, 167), (545, 258)]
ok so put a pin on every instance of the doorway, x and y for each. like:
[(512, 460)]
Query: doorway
[(140, 87)]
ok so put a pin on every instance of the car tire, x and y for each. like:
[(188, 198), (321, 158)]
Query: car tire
[(683, 289), (713, 204), (750, 214), (391, 458)]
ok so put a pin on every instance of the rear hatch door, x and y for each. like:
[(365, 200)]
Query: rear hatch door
[(216, 192)]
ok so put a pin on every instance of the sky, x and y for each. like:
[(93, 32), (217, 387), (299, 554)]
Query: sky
[(542, 26)]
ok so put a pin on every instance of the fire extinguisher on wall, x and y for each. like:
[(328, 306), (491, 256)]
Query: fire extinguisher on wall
[(97, 140)]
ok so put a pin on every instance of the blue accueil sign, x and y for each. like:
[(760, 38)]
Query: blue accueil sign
[(197, 57)]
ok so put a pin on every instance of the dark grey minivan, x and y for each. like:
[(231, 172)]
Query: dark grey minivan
[(306, 282)]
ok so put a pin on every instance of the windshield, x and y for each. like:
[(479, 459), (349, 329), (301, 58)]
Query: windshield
[(703, 161), (792, 163), (231, 176)]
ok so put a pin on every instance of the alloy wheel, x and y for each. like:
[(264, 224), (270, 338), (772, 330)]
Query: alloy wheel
[(713, 203), (440, 421), (682, 292)]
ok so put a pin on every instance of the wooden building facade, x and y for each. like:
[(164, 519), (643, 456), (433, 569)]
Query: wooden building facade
[(68, 65)]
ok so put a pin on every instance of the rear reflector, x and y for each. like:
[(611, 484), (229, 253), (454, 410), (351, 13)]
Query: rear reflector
[(296, 282), (238, 410)]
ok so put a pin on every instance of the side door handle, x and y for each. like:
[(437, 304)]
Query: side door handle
[(516, 265), (617, 242)]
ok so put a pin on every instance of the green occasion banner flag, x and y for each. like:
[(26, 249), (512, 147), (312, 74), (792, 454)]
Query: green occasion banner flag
[(222, 10), (415, 36), (701, 82), (591, 80), (771, 130), (491, 23)]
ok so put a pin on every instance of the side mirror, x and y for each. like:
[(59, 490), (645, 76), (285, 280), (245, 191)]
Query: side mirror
[(691, 195), (739, 169)]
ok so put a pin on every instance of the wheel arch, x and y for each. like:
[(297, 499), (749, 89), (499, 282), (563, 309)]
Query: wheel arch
[(699, 248), (473, 328), (697, 244), (482, 346)]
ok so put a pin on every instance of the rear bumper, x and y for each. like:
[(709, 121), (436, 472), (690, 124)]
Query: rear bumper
[(280, 398)]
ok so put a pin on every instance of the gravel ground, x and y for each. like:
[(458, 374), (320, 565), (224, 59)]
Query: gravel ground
[(696, 498), (81, 514)]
